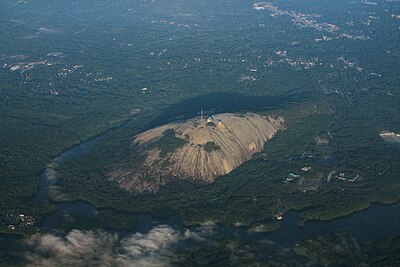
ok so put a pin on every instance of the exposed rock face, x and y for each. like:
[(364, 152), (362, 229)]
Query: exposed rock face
[(206, 150)]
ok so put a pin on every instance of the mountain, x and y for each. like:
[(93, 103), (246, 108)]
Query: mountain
[(196, 149)]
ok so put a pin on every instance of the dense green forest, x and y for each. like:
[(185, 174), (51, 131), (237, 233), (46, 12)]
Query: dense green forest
[(72, 72)]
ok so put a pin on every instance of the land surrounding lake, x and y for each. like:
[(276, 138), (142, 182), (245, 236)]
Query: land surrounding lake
[(104, 131)]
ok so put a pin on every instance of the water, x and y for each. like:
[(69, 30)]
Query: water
[(374, 223), (49, 176), (68, 208)]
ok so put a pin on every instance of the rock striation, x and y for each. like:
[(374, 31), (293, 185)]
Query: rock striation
[(199, 150)]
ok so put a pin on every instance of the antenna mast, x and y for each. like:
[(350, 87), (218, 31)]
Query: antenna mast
[(201, 116)]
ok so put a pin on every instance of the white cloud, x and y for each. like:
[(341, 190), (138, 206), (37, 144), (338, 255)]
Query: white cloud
[(99, 248)]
